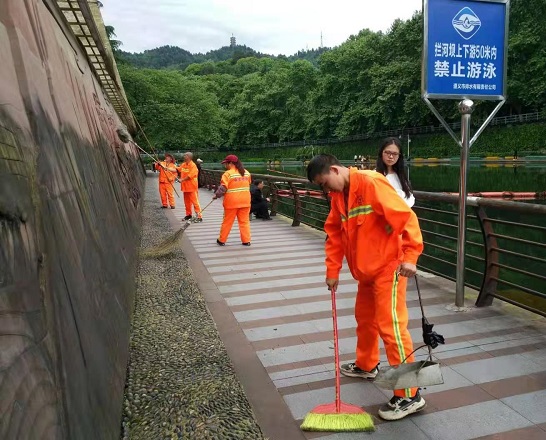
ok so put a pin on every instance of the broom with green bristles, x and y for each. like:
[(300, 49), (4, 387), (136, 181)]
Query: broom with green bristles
[(337, 416)]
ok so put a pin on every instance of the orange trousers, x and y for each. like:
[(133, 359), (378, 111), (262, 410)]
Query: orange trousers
[(381, 311), (191, 199), (243, 218), (166, 191)]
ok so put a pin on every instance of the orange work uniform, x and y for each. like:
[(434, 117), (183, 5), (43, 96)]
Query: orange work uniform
[(236, 204), (189, 187), (167, 175), (376, 231)]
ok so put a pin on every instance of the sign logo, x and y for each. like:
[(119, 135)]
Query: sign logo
[(466, 23)]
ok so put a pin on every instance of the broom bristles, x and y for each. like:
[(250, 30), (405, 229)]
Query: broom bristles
[(338, 422), (167, 246)]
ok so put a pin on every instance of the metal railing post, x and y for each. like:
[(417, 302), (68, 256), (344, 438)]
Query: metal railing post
[(491, 269), (297, 205), (274, 197), (465, 107)]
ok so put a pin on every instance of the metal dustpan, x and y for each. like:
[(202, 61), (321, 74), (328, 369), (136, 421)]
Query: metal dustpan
[(414, 374), (408, 375)]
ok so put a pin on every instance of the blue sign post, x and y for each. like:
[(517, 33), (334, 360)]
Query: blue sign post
[(465, 49), (464, 57)]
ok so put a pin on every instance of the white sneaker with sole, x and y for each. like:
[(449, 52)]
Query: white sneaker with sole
[(399, 407)]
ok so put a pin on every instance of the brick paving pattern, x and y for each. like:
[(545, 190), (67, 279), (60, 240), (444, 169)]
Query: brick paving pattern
[(494, 361)]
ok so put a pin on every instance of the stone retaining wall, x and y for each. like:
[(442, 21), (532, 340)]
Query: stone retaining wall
[(70, 203)]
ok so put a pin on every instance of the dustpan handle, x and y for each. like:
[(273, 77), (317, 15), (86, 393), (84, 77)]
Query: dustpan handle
[(419, 295), (336, 351), (422, 313)]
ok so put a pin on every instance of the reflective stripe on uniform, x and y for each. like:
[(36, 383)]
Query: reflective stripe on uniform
[(238, 176), (360, 210), (237, 190), (396, 325)]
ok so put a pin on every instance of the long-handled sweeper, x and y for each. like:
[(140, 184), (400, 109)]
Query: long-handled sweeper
[(337, 416), (169, 244)]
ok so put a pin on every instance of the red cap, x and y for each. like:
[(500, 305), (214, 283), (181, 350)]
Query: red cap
[(231, 158)]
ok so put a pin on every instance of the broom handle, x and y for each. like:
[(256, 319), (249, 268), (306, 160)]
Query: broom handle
[(208, 204), (336, 351), (157, 160), (153, 158)]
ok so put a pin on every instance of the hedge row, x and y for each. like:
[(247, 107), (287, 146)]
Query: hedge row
[(528, 139)]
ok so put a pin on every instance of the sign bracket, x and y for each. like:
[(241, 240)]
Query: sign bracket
[(486, 122), (442, 120)]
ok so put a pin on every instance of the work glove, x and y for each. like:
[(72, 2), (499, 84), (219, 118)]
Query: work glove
[(431, 338)]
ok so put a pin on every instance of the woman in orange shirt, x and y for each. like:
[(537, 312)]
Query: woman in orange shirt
[(235, 188), (167, 176)]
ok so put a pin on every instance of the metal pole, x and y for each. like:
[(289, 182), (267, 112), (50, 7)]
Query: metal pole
[(466, 107)]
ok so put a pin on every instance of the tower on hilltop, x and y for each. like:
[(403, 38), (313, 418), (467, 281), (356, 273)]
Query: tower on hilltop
[(232, 41)]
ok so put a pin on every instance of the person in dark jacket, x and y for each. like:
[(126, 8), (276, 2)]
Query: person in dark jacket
[(258, 202), (200, 179)]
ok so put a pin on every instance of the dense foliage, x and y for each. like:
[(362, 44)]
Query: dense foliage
[(173, 57), (234, 97)]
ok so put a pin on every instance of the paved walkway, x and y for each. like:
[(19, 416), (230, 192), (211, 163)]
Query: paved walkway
[(272, 309)]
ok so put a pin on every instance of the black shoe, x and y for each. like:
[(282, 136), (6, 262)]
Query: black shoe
[(351, 370), (187, 217), (198, 220), (164, 207), (172, 207), (219, 243), (246, 244)]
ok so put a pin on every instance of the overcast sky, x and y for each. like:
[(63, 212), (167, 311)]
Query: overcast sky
[(268, 26)]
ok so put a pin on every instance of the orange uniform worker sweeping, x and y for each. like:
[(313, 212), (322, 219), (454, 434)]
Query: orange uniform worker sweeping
[(167, 176), (235, 188), (188, 183), (379, 235)]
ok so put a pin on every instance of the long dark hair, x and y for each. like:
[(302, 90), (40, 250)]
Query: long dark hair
[(398, 167), (240, 167)]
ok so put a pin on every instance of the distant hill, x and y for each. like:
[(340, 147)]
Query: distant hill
[(311, 55), (159, 58), (174, 57)]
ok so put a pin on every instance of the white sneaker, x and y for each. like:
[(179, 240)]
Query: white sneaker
[(399, 407)]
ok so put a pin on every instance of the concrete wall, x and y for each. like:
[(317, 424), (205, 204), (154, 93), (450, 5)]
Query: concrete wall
[(70, 202)]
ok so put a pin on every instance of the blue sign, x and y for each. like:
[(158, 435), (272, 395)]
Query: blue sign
[(465, 49)]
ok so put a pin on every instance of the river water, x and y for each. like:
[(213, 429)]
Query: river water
[(445, 177)]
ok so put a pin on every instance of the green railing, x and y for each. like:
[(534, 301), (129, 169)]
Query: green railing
[(506, 241)]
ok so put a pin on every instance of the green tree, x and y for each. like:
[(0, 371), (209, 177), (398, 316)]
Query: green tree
[(272, 106), (175, 111), (370, 83), (527, 56)]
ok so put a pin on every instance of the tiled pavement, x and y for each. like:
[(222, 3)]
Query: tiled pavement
[(273, 312)]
